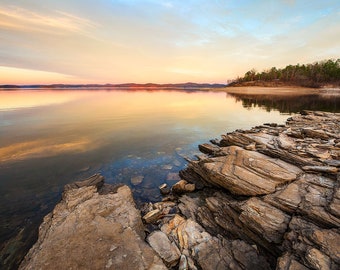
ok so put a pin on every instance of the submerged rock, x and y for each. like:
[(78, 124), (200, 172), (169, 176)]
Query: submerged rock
[(90, 230), (136, 180)]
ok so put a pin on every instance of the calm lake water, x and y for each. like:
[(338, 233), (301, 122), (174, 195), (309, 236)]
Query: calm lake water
[(52, 137)]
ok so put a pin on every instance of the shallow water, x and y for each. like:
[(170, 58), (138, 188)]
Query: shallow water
[(52, 137)]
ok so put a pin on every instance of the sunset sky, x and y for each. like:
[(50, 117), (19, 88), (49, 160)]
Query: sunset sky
[(107, 41)]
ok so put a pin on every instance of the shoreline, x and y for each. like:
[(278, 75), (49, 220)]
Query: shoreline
[(192, 229)]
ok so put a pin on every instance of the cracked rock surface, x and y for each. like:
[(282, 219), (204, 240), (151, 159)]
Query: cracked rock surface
[(280, 192)]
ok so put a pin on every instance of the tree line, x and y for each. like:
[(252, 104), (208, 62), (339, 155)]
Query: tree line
[(311, 75)]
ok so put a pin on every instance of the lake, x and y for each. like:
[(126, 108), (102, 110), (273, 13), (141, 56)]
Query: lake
[(49, 138)]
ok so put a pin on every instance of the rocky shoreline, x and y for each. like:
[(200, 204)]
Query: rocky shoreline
[(265, 198)]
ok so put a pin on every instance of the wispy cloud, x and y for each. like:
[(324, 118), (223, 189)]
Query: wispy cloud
[(17, 18)]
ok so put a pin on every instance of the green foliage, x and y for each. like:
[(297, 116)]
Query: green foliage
[(313, 75)]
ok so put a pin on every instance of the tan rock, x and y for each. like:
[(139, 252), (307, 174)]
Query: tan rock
[(172, 224), (152, 216), (208, 148), (322, 169), (317, 259), (164, 248), (318, 248), (334, 206), (264, 219), (328, 241), (182, 187), (287, 262), (245, 172), (92, 231)]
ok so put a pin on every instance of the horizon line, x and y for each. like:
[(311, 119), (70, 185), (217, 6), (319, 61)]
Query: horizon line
[(111, 84)]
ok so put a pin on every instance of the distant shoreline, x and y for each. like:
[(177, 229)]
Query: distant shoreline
[(124, 85)]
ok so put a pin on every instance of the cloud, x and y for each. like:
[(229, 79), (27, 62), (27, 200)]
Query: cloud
[(164, 41), (21, 19)]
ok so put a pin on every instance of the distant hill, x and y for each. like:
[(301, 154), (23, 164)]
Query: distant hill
[(318, 74), (188, 85)]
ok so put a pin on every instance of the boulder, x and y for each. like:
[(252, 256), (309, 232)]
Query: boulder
[(87, 230)]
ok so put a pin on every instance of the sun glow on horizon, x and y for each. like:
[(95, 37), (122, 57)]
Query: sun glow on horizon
[(18, 76)]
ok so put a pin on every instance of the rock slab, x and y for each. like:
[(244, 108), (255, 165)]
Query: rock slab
[(93, 228)]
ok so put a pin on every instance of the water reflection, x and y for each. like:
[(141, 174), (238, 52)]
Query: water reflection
[(290, 103), (50, 138)]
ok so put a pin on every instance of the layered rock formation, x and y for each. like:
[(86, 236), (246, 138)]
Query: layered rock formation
[(95, 226), (281, 190)]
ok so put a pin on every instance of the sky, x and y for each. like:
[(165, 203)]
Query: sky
[(109, 41)]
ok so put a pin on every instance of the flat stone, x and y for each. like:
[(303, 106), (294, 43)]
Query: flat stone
[(245, 172)]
